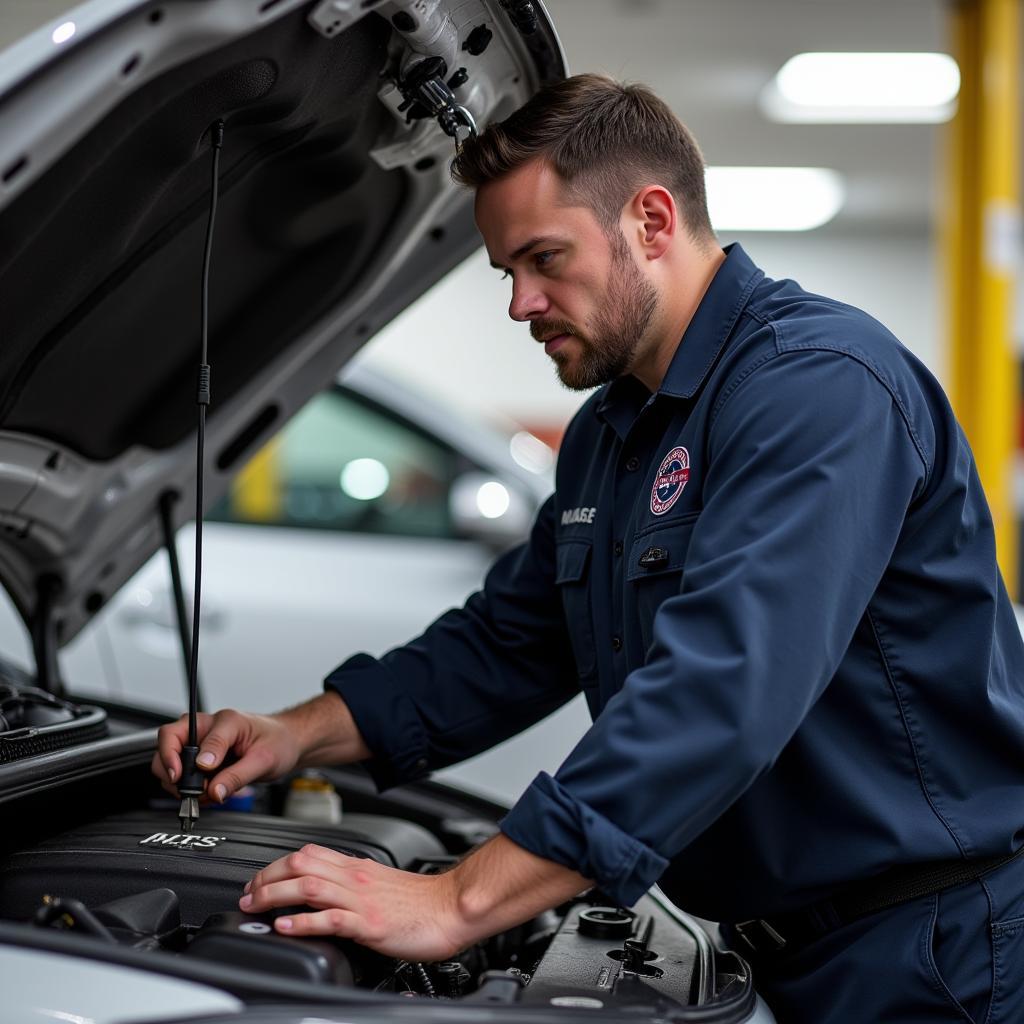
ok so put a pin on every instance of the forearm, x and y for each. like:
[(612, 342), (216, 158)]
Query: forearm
[(501, 884), (325, 731)]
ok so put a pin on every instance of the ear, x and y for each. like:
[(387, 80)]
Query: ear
[(655, 219)]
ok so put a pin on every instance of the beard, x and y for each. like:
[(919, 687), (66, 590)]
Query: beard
[(607, 348)]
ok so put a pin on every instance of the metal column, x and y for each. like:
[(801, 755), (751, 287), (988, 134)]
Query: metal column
[(981, 231)]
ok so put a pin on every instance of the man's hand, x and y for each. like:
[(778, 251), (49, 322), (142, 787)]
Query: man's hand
[(263, 745), (397, 913), (321, 731), (405, 915)]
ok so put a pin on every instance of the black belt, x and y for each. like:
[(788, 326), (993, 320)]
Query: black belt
[(787, 932)]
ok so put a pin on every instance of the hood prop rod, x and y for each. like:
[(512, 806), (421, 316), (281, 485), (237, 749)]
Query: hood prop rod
[(167, 501), (193, 779)]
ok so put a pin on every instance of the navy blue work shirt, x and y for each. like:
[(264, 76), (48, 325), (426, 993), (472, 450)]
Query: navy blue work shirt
[(775, 581)]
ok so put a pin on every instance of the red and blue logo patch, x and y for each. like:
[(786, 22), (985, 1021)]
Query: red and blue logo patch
[(673, 473)]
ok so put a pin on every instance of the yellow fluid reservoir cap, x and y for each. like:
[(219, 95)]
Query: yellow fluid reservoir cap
[(311, 782)]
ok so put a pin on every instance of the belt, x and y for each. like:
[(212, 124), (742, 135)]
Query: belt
[(788, 932)]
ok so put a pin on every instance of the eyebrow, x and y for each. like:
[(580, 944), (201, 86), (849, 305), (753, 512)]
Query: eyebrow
[(524, 249)]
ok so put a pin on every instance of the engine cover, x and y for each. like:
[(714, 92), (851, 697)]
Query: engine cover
[(125, 854)]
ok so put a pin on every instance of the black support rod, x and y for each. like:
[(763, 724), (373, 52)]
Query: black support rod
[(192, 782), (167, 502)]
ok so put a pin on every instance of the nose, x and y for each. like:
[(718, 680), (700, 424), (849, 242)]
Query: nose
[(528, 301)]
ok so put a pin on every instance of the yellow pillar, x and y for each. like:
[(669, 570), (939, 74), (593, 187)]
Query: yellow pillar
[(981, 232)]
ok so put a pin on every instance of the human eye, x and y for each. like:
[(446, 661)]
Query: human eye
[(543, 259)]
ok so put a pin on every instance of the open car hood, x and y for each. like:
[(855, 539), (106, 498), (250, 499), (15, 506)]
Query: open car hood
[(334, 214)]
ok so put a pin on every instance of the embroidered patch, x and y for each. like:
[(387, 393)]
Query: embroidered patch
[(673, 473)]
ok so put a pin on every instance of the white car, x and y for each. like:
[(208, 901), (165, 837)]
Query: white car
[(368, 515)]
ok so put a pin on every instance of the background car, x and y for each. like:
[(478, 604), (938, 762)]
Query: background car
[(371, 512)]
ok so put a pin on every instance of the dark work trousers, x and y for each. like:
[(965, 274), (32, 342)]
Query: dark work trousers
[(957, 956)]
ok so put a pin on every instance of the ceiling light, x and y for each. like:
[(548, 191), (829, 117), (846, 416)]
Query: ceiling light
[(864, 87), (772, 198)]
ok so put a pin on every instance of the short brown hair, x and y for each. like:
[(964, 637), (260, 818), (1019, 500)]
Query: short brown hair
[(606, 139)]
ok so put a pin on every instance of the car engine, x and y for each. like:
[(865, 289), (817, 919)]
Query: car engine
[(95, 864), (132, 878)]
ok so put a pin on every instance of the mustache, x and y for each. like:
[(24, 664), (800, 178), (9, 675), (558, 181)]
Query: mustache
[(543, 329)]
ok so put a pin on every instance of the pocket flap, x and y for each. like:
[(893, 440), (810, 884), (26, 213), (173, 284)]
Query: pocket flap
[(659, 551), (571, 559)]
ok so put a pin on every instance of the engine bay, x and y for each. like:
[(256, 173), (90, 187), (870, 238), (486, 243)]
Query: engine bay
[(133, 879), (98, 861)]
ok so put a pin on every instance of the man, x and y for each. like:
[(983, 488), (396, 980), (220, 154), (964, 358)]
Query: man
[(769, 566)]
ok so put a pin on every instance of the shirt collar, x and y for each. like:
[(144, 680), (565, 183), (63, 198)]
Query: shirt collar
[(712, 323)]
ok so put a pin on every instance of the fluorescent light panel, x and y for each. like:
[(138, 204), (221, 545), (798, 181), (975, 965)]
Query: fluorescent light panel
[(772, 198), (864, 87)]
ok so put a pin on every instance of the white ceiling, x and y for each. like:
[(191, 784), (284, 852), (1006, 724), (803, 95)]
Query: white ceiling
[(710, 58)]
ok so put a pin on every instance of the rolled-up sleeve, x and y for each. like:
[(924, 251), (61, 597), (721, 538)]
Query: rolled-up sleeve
[(811, 466), (386, 717), (551, 822), (478, 675)]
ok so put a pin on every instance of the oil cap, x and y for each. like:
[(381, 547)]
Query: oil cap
[(607, 922)]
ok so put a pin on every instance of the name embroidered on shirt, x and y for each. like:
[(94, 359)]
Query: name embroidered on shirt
[(578, 515)]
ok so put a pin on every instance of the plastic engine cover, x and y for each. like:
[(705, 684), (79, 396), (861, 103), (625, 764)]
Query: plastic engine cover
[(130, 853)]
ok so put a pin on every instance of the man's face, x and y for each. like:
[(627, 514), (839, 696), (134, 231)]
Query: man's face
[(581, 292)]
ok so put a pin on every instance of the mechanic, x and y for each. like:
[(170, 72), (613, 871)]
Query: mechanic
[(770, 567)]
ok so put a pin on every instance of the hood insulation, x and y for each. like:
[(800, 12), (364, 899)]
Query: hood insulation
[(100, 259)]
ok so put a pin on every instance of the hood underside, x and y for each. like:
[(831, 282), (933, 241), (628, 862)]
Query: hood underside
[(101, 255), (333, 215)]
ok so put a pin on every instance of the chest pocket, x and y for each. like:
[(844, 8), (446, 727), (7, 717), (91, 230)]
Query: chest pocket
[(572, 566), (655, 568)]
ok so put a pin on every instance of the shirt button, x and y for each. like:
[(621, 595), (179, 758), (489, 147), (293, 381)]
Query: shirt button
[(616, 643), (633, 464), (421, 764), (617, 547)]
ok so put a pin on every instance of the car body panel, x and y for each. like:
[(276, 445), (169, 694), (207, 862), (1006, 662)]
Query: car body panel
[(52, 987)]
